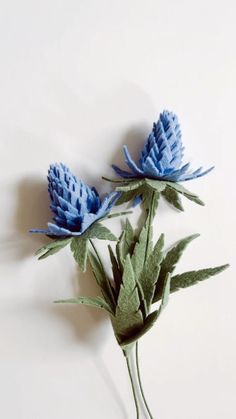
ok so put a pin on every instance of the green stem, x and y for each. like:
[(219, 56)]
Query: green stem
[(133, 386), (110, 290), (97, 254), (140, 382), (150, 216)]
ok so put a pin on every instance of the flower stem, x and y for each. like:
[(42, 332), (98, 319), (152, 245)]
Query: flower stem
[(140, 382), (97, 254), (109, 287), (150, 215), (133, 386)]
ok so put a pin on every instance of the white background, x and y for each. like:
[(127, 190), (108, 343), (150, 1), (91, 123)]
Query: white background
[(77, 80)]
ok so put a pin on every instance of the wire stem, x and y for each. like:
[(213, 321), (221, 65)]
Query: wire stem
[(109, 287), (97, 254), (140, 382), (133, 387), (150, 216)]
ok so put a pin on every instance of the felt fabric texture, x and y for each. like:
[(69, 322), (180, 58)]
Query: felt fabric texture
[(162, 154), (75, 205)]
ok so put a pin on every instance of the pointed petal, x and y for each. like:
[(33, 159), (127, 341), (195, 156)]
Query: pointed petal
[(195, 176), (150, 169), (130, 162), (58, 231), (121, 172)]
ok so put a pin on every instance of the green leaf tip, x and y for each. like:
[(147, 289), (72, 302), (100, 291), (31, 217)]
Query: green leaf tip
[(99, 231), (170, 261), (79, 248), (97, 302), (52, 248), (190, 278)]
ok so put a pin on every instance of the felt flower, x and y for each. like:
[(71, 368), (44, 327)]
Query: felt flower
[(75, 205), (161, 157)]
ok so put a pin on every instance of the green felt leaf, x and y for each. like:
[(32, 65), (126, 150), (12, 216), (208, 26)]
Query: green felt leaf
[(128, 317), (190, 195), (102, 280), (149, 322), (117, 214), (117, 180), (99, 231), (165, 293), (190, 278), (128, 196), (130, 186), (152, 318), (97, 302), (157, 185), (117, 274), (173, 198), (128, 297), (150, 272), (79, 248), (169, 263), (144, 245), (52, 248), (125, 244), (150, 200), (142, 249)]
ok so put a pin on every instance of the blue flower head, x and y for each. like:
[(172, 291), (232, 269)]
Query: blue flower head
[(161, 157), (75, 205)]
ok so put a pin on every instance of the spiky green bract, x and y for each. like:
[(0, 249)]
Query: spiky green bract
[(142, 274), (190, 278), (142, 189), (79, 245), (97, 302)]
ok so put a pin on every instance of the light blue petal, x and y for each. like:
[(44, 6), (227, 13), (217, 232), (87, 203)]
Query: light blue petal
[(58, 231), (88, 219), (150, 169), (195, 176), (130, 162), (122, 173), (108, 202)]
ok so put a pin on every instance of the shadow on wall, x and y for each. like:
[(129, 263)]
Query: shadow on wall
[(83, 320), (89, 327), (32, 211), (134, 138)]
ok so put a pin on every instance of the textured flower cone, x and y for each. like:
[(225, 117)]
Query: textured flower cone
[(161, 157), (75, 205)]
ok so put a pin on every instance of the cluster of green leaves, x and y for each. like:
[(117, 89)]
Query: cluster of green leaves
[(79, 245), (170, 191), (142, 275)]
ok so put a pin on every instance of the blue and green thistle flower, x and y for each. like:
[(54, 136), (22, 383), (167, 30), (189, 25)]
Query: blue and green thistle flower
[(77, 210), (162, 155), (160, 166), (75, 205)]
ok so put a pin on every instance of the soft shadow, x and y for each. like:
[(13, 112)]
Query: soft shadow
[(111, 384), (90, 327), (86, 322), (134, 139), (32, 211)]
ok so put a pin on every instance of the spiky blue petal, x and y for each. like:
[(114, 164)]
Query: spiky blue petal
[(162, 154), (75, 205)]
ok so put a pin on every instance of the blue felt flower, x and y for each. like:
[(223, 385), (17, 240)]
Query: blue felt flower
[(75, 205), (161, 157)]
